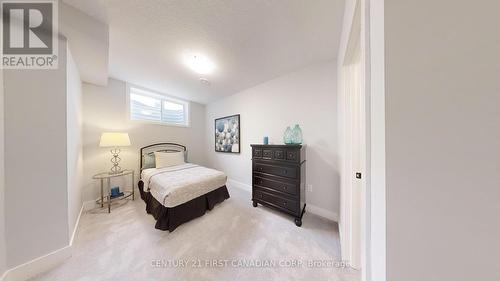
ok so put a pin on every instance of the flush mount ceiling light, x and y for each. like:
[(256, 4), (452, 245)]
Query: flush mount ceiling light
[(205, 81), (199, 63)]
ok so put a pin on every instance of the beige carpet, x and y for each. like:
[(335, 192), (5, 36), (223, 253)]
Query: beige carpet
[(232, 242)]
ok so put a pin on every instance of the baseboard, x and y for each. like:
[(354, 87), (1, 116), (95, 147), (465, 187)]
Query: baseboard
[(240, 185), (89, 205), (42, 264), (77, 223), (329, 215), (39, 265)]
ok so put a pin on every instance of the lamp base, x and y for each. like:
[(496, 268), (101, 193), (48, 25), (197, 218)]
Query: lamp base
[(116, 169)]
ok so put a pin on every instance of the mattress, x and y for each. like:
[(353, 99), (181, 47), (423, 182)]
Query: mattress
[(172, 186)]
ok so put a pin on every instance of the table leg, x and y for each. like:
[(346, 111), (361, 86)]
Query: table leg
[(102, 193), (109, 195), (133, 187)]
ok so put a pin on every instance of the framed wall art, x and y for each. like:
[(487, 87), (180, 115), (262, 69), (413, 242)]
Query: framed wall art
[(227, 134)]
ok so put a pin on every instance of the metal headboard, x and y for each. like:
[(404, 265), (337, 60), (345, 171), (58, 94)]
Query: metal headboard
[(148, 151)]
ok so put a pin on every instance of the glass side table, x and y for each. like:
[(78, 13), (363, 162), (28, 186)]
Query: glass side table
[(106, 176)]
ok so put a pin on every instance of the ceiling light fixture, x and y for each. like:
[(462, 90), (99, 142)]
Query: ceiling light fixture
[(199, 63), (205, 81)]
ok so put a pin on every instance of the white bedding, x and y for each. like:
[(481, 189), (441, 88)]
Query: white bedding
[(176, 185)]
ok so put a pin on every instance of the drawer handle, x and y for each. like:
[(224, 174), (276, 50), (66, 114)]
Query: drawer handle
[(260, 169), (260, 195), (284, 203), (285, 172), (284, 187)]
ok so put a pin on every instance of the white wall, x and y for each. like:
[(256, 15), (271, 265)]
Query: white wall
[(104, 109), (347, 20), (88, 40), (74, 142), (442, 136), (306, 97), (35, 157), (2, 182)]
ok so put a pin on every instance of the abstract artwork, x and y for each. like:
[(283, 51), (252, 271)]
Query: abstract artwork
[(227, 134)]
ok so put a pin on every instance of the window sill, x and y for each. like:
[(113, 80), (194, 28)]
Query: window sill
[(160, 123)]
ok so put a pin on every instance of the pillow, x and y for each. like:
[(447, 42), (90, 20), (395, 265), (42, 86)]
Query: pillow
[(168, 159), (148, 161)]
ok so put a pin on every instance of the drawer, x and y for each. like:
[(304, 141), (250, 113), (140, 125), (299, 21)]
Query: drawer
[(279, 154), (292, 155), (276, 201), (290, 188), (282, 171), (276, 154), (257, 153), (267, 154)]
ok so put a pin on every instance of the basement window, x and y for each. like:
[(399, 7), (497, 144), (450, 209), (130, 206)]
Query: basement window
[(148, 106)]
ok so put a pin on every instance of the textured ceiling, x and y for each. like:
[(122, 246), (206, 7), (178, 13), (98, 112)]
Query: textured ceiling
[(250, 41)]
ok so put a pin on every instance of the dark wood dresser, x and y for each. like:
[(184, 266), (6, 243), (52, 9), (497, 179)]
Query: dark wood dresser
[(278, 178)]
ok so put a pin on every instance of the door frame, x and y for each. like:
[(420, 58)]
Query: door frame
[(372, 42), (376, 221)]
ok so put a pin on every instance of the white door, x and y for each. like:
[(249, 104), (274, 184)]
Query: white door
[(353, 188), (357, 156)]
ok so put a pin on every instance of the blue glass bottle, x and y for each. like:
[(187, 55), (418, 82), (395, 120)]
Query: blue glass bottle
[(287, 136), (297, 134)]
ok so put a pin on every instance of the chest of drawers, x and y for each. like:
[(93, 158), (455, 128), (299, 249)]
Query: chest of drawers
[(278, 178)]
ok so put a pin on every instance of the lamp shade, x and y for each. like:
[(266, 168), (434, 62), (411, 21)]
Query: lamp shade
[(114, 140)]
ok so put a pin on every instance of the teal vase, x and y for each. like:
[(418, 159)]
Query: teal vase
[(297, 134), (288, 135)]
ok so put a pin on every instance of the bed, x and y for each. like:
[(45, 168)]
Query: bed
[(177, 194)]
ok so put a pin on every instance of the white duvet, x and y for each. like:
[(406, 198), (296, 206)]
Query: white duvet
[(176, 185)]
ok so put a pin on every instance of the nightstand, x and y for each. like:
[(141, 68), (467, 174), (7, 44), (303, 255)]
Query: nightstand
[(106, 176)]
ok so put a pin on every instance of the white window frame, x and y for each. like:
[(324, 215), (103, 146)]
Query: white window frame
[(162, 97)]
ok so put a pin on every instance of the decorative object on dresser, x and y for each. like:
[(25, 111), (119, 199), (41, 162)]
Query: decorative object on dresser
[(115, 140), (278, 178), (227, 134), (292, 136), (297, 134), (287, 136)]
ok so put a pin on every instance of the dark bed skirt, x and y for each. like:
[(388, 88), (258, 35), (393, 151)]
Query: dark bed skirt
[(169, 218)]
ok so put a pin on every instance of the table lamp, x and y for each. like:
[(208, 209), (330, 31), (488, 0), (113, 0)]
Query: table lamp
[(115, 140)]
